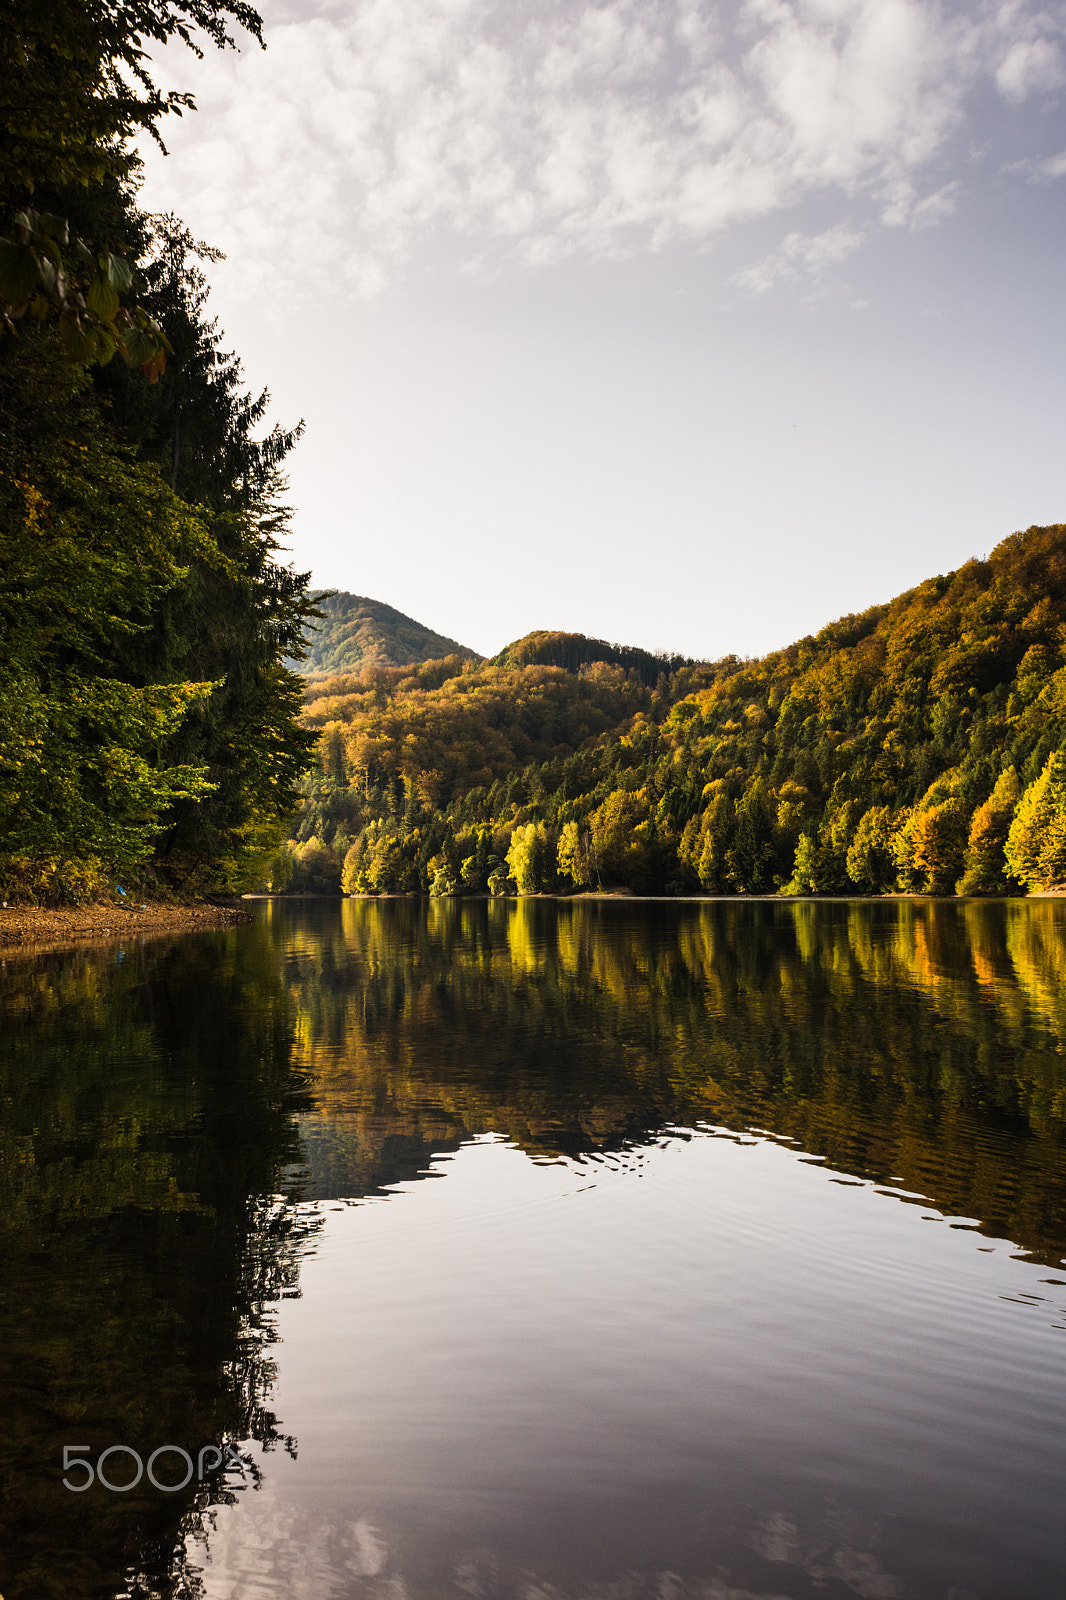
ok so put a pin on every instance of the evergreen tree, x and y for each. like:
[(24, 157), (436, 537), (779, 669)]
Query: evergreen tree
[(147, 716), (750, 862), (91, 545)]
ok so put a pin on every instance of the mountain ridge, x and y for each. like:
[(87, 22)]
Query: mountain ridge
[(357, 631)]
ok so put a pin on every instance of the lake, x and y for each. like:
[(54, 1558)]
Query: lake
[(598, 1250)]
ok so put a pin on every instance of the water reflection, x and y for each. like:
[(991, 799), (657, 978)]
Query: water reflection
[(914, 1043), (147, 1099), (698, 1369), (166, 1110)]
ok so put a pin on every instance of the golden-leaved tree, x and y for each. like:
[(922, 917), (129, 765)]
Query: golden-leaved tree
[(1036, 842)]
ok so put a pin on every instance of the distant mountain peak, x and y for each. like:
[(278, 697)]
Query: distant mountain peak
[(357, 631)]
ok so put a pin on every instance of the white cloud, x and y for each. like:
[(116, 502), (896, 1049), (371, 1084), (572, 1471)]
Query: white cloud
[(1052, 167), (1031, 66), (1038, 169), (555, 127), (802, 256), (903, 207)]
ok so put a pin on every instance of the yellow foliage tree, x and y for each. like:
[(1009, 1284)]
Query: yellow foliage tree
[(985, 863), (938, 839), (529, 857), (1036, 843)]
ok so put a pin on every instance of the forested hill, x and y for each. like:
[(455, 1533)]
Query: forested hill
[(917, 747), (572, 651), (355, 631)]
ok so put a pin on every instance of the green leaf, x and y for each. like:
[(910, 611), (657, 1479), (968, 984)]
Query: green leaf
[(19, 273), (137, 346), (101, 299), (51, 280), (118, 274), (80, 345), (53, 227)]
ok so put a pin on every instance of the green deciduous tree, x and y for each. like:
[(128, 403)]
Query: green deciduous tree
[(804, 879), (1036, 843), (91, 544), (985, 865), (869, 860), (575, 855), (623, 838)]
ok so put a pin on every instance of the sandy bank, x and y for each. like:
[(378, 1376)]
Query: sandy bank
[(26, 929)]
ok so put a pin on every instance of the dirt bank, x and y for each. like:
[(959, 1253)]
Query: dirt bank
[(25, 929)]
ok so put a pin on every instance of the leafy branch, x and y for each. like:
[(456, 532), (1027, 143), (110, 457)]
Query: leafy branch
[(93, 325)]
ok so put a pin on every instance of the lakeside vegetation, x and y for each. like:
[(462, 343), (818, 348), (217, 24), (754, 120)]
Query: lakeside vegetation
[(148, 723), (917, 747)]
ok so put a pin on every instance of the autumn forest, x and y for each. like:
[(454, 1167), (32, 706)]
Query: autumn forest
[(915, 748)]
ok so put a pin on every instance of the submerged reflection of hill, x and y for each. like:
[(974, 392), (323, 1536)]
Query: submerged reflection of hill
[(147, 1098), (917, 1041)]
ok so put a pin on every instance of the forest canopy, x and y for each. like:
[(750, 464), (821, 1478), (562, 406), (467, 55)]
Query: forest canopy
[(917, 747), (148, 721)]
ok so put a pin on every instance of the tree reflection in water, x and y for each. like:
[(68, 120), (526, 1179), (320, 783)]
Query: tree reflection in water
[(913, 1041), (147, 1097), (164, 1110)]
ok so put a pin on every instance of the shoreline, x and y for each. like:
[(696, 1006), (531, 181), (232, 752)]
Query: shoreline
[(29, 930), (1056, 892), (32, 930)]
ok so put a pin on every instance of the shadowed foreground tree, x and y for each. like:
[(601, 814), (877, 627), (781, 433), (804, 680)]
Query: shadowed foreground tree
[(148, 717), (75, 88)]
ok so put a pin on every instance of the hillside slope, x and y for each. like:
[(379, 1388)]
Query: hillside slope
[(356, 632), (572, 651), (917, 747)]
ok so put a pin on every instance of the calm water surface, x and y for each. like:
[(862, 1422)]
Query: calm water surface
[(555, 1251)]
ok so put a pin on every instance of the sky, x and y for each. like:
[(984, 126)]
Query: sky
[(688, 324)]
